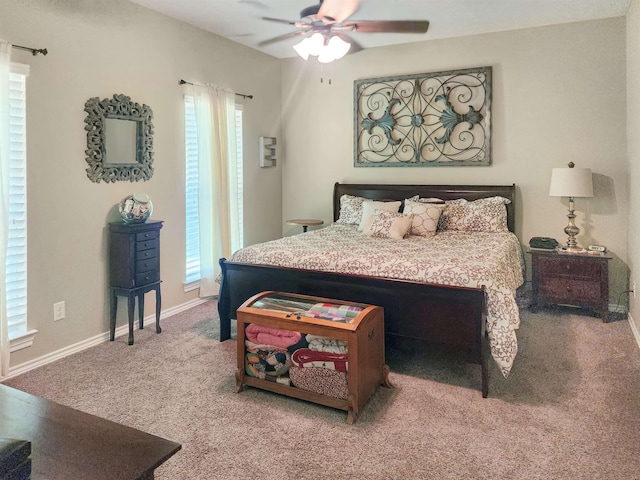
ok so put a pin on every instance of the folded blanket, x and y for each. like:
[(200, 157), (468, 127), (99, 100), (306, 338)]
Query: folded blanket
[(264, 361), (345, 311), (324, 344), (320, 380), (304, 358), (271, 336)]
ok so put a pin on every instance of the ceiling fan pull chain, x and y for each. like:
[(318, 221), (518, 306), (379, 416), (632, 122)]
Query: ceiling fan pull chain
[(322, 75)]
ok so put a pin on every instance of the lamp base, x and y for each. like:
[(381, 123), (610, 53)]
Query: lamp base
[(572, 231)]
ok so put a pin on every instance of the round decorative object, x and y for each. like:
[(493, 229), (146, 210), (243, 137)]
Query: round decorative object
[(135, 208)]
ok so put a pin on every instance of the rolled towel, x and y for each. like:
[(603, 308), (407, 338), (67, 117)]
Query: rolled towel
[(324, 344), (272, 336)]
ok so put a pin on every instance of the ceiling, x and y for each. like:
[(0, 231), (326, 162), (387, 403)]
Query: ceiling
[(240, 20)]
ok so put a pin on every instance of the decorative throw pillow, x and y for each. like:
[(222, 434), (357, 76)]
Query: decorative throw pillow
[(384, 224), (350, 209), (482, 215), (425, 217), (369, 207)]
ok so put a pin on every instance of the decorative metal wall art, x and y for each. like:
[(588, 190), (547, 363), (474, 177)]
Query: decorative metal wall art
[(119, 139), (428, 119)]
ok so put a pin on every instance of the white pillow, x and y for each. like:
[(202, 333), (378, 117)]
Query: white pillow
[(482, 215), (385, 224), (369, 207), (425, 217), (350, 209)]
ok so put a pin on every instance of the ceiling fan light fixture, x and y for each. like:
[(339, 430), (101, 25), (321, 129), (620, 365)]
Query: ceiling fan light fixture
[(316, 44), (302, 48), (339, 48), (326, 50)]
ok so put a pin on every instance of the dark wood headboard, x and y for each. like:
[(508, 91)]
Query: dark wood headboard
[(445, 192)]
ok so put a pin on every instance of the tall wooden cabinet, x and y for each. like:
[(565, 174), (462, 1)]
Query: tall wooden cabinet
[(134, 261)]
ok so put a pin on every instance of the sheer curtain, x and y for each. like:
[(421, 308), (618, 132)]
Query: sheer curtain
[(217, 186), (5, 56)]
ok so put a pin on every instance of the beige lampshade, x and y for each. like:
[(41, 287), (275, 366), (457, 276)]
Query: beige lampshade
[(571, 182)]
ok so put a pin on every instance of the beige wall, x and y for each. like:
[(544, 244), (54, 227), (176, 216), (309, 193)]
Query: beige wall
[(559, 95), (97, 49), (633, 152)]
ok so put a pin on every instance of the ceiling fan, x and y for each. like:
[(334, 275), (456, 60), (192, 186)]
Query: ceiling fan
[(324, 28)]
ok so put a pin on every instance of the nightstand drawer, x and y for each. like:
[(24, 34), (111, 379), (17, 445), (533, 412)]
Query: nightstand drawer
[(142, 236), (147, 265), (147, 277), (573, 267), (147, 244), (146, 254), (570, 290)]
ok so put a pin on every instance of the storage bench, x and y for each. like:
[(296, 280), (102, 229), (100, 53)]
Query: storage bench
[(325, 351)]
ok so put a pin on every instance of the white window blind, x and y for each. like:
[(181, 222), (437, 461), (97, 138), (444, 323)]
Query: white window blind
[(191, 192), (192, 257), (16, 274), (239, 175)]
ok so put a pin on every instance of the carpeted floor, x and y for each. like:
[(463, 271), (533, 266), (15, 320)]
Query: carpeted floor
[(570, 408)]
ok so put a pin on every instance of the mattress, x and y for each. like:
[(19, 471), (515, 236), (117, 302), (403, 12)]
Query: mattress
[(467, 259)]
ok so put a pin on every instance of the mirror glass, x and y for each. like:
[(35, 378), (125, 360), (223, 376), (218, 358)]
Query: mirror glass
[(119, 139)]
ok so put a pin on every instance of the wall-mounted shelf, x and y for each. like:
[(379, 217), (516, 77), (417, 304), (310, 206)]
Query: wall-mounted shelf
[(267, 147)]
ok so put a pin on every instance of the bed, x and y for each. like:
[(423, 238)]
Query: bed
[(429, 297)]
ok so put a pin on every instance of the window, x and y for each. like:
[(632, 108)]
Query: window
[(192, 259), (16, 274)]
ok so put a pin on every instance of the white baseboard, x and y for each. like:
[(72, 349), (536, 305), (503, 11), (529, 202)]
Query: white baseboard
[(634, 329), (14, 371)]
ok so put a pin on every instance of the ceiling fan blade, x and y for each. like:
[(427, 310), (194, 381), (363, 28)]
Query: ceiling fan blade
[(281, 37), (337, 11), (255, 3), (279, 20), (388, 26), (355, 46)]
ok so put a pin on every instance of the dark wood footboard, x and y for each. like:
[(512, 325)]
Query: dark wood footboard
[(454, 317)]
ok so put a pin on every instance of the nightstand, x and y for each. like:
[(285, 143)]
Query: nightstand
[(580, 280), (134, 269), (305, 223)]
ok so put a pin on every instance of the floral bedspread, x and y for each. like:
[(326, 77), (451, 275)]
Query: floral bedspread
[(468, 259)]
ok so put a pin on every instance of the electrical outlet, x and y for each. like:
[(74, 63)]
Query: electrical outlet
[(58, 311)]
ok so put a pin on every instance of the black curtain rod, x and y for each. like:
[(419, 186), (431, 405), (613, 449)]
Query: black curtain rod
[(34, 51), (250, 97)]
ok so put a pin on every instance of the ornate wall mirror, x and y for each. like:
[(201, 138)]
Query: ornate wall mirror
[(119, 139)]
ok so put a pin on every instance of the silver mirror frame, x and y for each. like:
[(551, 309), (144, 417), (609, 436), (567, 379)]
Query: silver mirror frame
[(118, 107)]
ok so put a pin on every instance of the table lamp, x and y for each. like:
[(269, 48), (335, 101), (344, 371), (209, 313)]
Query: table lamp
[(571, 182)]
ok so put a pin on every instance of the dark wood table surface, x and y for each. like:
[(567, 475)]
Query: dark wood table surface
[(67, 444)]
